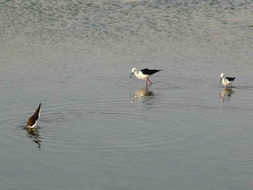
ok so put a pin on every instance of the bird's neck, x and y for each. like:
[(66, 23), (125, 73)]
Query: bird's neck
[(136, 73)]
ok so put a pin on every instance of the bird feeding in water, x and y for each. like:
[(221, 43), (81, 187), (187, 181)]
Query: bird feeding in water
[(144, 74), (33, 120), (226, 81)]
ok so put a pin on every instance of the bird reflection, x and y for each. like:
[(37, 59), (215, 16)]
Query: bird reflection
[(34, 134), (142, 94), (226, 92)]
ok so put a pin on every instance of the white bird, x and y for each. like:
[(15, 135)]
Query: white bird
[(144, 74), (226, 81)]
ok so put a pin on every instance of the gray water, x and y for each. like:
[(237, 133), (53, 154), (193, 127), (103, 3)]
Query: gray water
[(100, 130)]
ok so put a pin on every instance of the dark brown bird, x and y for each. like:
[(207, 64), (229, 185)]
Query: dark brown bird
[(32, 121)]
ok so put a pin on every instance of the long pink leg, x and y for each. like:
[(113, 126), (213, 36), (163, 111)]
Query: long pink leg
[(149, 82)]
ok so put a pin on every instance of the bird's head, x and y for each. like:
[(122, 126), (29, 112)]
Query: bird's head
[(133, 70), (221, 76)]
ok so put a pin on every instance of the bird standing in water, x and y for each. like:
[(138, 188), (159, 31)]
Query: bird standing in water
[(226, 81), (144, 74)]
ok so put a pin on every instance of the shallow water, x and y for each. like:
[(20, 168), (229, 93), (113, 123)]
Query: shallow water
[(101, 130)]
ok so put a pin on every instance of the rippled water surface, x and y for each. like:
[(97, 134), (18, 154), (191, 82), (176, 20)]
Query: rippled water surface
[(101, 130)]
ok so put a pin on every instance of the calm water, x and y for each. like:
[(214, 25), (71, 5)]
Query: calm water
[(101, 130)]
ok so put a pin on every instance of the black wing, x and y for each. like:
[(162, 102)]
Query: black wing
[(36, 113), (149, 71), (230, 78)]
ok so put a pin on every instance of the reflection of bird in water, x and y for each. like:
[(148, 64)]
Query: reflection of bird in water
[(144, 95), (34, 134), (226, 92), (32, 121), (144, 74), (226, 81), (143, 92)]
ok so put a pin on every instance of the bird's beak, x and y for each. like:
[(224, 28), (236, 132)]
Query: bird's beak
[(220, 80), (131, 75)]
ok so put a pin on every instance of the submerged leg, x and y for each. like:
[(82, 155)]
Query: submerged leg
[(146, 84)]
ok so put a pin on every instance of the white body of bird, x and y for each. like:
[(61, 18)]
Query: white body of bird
[(226, 81), (139, 74)]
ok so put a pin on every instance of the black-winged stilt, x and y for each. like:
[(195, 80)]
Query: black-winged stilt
[(226, 81), (144, 74), (32, 121)]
